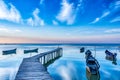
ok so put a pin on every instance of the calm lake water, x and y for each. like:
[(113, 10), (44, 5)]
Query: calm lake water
[(71, 66)]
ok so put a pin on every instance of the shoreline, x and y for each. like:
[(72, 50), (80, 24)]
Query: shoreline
[(59, 44)]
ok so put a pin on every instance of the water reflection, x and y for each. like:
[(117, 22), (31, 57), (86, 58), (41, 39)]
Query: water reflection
[(73, 56), (10, 62), (71, 66), (92, 76), (110, 59)]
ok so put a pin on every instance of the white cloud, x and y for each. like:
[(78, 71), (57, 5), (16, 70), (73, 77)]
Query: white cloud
[(30, 21), (117, 4), (66, 13), (10, 14), (113, 8), (113, 31), (35, 20), (115, 19), (96, 20), (3, 29), (106, 13), (41, 1), (55, 22), (18, 30)]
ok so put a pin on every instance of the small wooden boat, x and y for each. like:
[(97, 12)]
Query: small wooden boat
[(82, 50), (88, 53), (8, 52), (92, 65), (110, 55), (30, 51)]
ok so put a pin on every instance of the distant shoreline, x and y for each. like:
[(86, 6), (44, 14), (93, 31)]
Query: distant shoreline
[(73, 44)]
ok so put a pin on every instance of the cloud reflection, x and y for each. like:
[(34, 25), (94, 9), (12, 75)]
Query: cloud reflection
[(68, 72)]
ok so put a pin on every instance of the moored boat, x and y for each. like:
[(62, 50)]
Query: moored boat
[(32, 50), (8, 52), (110, 55), (92, 65), (82, 50)]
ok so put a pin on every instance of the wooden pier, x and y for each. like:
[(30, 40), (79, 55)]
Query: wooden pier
[(33, 68)]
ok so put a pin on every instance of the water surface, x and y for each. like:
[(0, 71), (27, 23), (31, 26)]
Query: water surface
[(71, 66)]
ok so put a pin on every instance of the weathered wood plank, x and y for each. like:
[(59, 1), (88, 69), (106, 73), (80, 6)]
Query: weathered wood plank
[(32, 69)]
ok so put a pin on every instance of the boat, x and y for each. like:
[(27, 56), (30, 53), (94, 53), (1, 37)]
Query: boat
[(82, 50), (8, 52), (92, 65), (110, 55), (32, 50), (88, 53)]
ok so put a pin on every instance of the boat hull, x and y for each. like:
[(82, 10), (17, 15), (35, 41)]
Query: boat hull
[(30, 51), (82, 50), (92, 71), (8, 52)]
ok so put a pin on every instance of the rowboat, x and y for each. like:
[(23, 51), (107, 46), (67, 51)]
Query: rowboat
[(82, 50), (8, 52), (110, 55), (32, 50), (92, 65)]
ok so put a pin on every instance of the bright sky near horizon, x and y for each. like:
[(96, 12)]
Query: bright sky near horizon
[(59, 21)]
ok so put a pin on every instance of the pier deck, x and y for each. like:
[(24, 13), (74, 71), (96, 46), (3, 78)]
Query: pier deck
[(32, 68)]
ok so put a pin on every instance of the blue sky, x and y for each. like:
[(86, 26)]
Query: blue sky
[(54, 21)]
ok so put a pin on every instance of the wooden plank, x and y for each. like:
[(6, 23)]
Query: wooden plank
[(32, 69)]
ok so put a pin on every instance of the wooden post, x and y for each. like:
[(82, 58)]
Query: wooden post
[(40, 60), (52, 55), (44, 59), (48, 58)]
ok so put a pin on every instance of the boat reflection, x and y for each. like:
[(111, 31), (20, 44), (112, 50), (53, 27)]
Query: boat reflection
[(92, 76), (114, 61)]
